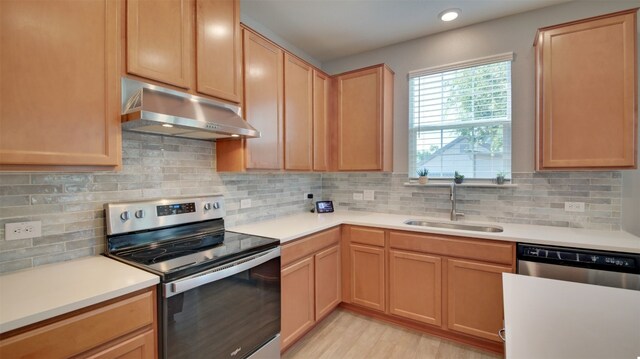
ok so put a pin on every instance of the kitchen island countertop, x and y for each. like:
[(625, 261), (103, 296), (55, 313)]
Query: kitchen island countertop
[(299, 225), (43, 292)]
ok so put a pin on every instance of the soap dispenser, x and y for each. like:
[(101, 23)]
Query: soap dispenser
[(312, 206)]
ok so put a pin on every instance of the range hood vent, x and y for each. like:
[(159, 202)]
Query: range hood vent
[(156, 110)]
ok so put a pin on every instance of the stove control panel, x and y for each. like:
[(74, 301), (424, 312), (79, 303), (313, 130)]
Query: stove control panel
[(178, 208), (128, 217)]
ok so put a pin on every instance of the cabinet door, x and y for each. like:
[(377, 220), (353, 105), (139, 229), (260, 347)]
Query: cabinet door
[(415, 282), (367, 276), (297, 300), (321, 125), (219, 49), (474, 298), (263, 101), (365, 120), (327, 268), (142, 346), (85, 331), (587, 99), (359, 125), (159, 37), (59, 83), (298, 115)]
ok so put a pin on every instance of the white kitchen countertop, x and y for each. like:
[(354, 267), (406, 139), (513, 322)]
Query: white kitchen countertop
[(299, 225), (547, 318), (33, 295)]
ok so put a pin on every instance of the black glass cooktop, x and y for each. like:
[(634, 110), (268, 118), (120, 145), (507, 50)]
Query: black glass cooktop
[(173, 253)]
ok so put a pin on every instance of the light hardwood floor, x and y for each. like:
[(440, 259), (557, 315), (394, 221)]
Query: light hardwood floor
[(344, 334)]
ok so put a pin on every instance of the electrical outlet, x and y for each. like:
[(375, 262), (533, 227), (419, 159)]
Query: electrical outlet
[(306, 194), (574, 206), (357, 196), (22, 230), (245, 203), (369, 195)]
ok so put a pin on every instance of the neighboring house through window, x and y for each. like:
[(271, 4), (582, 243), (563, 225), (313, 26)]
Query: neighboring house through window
[(460, 118)]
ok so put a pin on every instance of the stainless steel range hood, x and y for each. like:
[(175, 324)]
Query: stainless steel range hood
[(156, 110)]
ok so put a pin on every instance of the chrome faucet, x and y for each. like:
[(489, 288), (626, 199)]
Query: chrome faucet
[(454, 214)]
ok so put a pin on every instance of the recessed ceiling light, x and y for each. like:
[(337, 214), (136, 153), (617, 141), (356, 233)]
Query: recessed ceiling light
[(449, 14), (166, 125)]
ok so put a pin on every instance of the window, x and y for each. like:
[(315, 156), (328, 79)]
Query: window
[(460, 118)]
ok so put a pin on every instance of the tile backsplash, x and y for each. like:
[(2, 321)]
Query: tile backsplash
[(70, 205), (538, 198)]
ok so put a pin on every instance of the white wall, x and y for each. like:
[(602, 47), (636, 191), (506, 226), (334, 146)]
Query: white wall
[(264, 31), (509, 34)]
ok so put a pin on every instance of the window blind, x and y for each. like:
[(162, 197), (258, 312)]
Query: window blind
[(460, 118)]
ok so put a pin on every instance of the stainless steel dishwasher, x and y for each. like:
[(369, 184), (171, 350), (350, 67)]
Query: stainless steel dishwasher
[(605, 268)]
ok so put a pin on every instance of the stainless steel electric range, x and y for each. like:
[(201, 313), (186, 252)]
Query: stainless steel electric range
[(219, 294)]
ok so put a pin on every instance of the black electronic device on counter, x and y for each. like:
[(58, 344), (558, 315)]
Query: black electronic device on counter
[(324, 206)]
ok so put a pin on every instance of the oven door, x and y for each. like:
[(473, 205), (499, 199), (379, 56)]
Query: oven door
[(230, 311)]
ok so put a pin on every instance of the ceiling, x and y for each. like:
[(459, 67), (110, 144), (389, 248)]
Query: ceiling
[(330, 29)]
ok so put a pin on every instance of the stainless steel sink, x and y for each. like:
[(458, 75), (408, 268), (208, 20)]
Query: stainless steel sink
[(449, 225)]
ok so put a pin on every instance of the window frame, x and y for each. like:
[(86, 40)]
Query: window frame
[(505, 122)]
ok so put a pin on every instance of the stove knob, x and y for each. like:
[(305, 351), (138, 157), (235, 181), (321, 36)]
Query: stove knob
[(216, 205), (207, 206), (124, 216), (139, 213)]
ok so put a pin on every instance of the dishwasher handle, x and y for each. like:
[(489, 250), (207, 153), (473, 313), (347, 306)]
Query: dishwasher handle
[(215, 274)]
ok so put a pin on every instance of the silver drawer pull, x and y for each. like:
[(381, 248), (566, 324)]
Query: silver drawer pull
[(501, 334)]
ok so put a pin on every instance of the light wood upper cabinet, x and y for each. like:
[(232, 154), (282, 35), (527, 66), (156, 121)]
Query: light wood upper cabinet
[(367, 272), (586, 94), (298, 114), (263, 86), (327, 281), (365, 119), (474, 298), (322, 121), (159, 40), (415, 286), (219, 49), (59, 84), (298, 311)]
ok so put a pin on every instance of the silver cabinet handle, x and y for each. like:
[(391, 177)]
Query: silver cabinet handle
[(212, 275), (501, 333)]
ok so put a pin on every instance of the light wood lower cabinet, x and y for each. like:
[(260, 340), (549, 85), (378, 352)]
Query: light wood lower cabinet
[(139, 347), (367, 276), (298, 312), (311, 283), (327, 280), (450, 286), (474, 298), (120, 328), (415, 286)]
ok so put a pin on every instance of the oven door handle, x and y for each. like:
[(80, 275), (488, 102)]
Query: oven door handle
[(212, 275)]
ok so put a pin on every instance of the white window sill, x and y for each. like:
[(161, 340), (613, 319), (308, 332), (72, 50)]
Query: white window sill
[(441, 183)]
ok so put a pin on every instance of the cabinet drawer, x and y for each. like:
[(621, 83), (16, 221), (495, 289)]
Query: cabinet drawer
[(308, 245), (485, 250), (79, 333), (369, 236)]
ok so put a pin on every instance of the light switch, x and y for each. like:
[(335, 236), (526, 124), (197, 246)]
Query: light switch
[(369, 195)]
